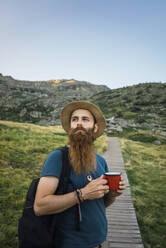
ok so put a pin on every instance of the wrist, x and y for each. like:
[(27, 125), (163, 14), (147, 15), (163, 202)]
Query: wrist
[(80, 195), (84, 195)]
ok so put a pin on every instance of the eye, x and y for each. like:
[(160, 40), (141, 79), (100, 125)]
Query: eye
[(85, 119), (74, 119)]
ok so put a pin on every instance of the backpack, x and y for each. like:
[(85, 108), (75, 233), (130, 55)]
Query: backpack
[(40, 231)]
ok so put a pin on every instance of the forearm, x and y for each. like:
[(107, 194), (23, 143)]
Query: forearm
[(52, 204)]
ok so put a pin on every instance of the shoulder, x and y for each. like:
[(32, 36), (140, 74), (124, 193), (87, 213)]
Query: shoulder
[(56, 154), (100, 158), (53, 164)]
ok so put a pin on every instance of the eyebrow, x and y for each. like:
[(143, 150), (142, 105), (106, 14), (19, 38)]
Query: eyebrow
[(75, 116)]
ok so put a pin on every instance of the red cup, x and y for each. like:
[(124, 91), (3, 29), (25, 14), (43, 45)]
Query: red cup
[(113, 179)]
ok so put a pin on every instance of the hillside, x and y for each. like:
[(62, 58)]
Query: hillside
[(40, 102), (140, 106)]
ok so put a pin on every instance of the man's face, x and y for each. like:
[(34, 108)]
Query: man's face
[(82, 118)]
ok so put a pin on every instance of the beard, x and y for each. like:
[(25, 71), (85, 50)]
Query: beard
[(81, 150)]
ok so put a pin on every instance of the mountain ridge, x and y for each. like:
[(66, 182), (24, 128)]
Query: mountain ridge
[(40, 102)]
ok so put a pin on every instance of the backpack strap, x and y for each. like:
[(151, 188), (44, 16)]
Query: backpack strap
[(65, 173), (65, 180)]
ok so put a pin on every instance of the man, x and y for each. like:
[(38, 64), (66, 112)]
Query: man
[(83, 122)]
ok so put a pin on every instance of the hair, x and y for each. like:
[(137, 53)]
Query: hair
[(81, 151)]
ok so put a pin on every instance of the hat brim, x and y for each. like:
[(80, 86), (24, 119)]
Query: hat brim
[(96, 112)]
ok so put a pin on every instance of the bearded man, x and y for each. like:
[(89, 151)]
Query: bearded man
[(84, 122)]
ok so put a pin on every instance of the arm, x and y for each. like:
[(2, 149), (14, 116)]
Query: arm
[(110, 197), (48, 203)]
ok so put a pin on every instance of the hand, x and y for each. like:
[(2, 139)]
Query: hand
[(95, 189), (122, 187)]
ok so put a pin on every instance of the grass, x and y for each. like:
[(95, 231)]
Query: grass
[(23, 149), (146, 169)]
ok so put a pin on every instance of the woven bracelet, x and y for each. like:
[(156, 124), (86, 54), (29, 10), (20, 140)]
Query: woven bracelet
[(80, 195), (76, 197)]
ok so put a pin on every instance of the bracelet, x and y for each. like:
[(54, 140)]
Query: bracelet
[(76, 197), (80, 195)]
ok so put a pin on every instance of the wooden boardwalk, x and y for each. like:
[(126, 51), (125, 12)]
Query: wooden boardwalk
[(123, 229)]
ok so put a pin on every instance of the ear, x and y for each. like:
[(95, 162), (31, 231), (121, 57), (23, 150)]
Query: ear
[(95, 128)]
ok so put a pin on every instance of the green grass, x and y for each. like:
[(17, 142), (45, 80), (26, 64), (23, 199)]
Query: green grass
[(146, 168), (23, 149)]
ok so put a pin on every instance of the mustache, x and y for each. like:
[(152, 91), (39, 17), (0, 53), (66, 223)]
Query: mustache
[(78, 128)]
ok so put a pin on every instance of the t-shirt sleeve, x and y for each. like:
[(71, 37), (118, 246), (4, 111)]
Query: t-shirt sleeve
[(53, 164)]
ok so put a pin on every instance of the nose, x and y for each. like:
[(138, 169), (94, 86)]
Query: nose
[(79, 123)]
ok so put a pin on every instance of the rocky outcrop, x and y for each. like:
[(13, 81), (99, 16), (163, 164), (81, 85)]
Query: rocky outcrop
[(119, 125), (40, 102)]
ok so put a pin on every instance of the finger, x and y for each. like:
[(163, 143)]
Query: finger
[(103, 187), (103, 180), (122, 186), (122, 182), (122, 179), (106, 187)]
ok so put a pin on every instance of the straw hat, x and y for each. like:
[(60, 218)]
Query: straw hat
[(95, 111)]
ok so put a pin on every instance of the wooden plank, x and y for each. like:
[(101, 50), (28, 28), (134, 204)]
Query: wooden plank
[(126, 240), (125, 227), (126, 235), (123, 231), (123, 245)]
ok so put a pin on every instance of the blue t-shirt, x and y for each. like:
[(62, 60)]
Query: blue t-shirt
[(93, 227)]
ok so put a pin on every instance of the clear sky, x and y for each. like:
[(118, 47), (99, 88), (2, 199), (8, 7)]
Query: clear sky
[(112, 42)]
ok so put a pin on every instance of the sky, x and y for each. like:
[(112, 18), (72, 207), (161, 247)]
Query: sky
[(117, 43)]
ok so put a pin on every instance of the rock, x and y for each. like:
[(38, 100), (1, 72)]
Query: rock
[(157, 142), (35, 114), (119, 129), (163, 133), (23, 111)]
